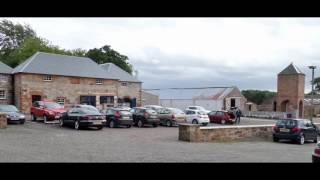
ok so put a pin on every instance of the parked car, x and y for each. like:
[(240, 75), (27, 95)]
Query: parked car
[(316, 154), (171, 116), (157, 108), (144, 116), (13, 114), (83, 116), (47, 110), (199, 108), (197, 117), (118, 117), (299, 130), (222, 117)]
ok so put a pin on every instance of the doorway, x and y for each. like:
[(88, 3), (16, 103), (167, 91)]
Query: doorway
[(300, 109), (233, 102), (35, 98)]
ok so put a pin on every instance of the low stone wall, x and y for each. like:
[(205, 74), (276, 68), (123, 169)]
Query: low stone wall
[(3, 121), (196, 133)]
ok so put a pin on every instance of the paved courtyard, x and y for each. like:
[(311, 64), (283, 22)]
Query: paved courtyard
[(38, 142)]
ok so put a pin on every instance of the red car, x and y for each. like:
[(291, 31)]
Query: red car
[(222, 117), (46, 110)]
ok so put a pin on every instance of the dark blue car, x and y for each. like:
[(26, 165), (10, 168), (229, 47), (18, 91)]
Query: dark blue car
[(298, 130)]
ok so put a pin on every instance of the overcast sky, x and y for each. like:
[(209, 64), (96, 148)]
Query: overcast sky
[(195, 52)]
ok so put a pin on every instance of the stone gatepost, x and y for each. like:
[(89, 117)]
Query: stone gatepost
[(3, 121)]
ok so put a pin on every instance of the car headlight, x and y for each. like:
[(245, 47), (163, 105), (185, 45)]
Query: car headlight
[(22, 116), (51, 113)]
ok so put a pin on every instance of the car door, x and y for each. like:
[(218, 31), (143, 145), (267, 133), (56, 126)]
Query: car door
[(219, 116), (109, 115), (311, 130), (188, 116), (212, 116), (161, 115), (74, 115)]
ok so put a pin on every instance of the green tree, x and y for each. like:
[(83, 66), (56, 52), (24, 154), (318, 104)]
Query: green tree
[(257, 96), (106, 54), (12, 36)]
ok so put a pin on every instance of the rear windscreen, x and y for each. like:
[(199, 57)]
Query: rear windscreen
[(150, 111), (287, 123)]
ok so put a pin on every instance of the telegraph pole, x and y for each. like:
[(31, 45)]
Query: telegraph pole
[(312, 94)]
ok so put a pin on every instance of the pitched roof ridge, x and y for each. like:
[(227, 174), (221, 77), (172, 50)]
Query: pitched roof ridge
[(30, 60), (62, 55)]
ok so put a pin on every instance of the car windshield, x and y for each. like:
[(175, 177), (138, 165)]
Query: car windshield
[(287, 123), (150, 111), (124, 112), (8, 108), (52, 105), (91, 111), (176, 111), (89, 108)]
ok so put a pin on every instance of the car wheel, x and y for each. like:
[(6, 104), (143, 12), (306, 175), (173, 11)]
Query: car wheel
[(315, 140), (22, 122), (275, 139), (223, 121), (194, 121), (33, 117), (168, 123), (111, 124), (99, 127), (128, 126), (140, 124), (76, 125), (301, 139), (61, 123), (155, 125), (45, 119)]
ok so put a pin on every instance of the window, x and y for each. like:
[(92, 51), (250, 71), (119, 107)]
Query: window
[(124, 84), (60, 100), (47, 78), (106, 99), (2, 94), (3, 78), (98, 81)]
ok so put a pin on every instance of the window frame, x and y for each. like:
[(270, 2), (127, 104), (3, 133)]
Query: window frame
[(46, 79), (99, 81), (124, 83), (64, 100), (4, 94)]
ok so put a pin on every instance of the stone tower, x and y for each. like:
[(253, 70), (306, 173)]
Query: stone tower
[(290, 94)]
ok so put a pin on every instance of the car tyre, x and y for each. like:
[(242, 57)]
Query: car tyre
[(61, 123), (99, 127), (33, 117), (168, 123), (275, 139), (194, 121), (155, 125), (22, 122), (112, 124), (223, 121), (77, 125), (140, 124), (45, 119), (301, 139), (128, 126), (315, 140)]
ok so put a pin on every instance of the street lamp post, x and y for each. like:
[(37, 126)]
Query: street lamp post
[(312, 82)]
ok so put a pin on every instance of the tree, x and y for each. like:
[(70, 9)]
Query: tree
[(107, 55), (12, 36), (257, 96)]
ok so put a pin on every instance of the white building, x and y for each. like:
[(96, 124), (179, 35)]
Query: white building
[(211, 98)]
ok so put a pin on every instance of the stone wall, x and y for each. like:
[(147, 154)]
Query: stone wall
[(69, 88), (6, 85), (195, 133), (149, 98), (131, 90)]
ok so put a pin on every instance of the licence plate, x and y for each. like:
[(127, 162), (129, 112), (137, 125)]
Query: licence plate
[(153, 116), (14, 118), (284, 130), (126, 118), (97, 122)]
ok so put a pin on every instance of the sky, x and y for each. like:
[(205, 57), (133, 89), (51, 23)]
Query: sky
[(196, 52)]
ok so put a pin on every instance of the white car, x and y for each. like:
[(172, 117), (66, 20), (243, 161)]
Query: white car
[(197, 117), (199, 108)]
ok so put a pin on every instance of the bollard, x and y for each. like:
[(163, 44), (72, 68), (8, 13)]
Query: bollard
[(3, 121)]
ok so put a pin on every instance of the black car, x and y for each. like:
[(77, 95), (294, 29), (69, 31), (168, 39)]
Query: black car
[(316, 154), (13, 114), (144, 116), (81, 116), (118, 117), (299, 130)]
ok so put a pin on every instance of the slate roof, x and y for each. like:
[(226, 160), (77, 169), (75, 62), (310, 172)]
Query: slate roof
[(5, 69), (116, 71), (291, 69), (214, 93), (56, 64)]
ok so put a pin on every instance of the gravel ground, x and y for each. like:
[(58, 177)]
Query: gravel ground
[(38, 142)]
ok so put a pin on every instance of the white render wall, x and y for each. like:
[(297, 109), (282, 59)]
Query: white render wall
[(183, 103)]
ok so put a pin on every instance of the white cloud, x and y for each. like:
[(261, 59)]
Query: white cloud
[(219, 50)]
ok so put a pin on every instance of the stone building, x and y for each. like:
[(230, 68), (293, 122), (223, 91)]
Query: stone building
[(66, 80), (129, 87), (148, 98), (290, 91), (6, 89), (211, 98)]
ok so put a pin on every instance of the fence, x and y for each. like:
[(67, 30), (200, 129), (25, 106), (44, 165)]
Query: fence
[(268, 114)]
